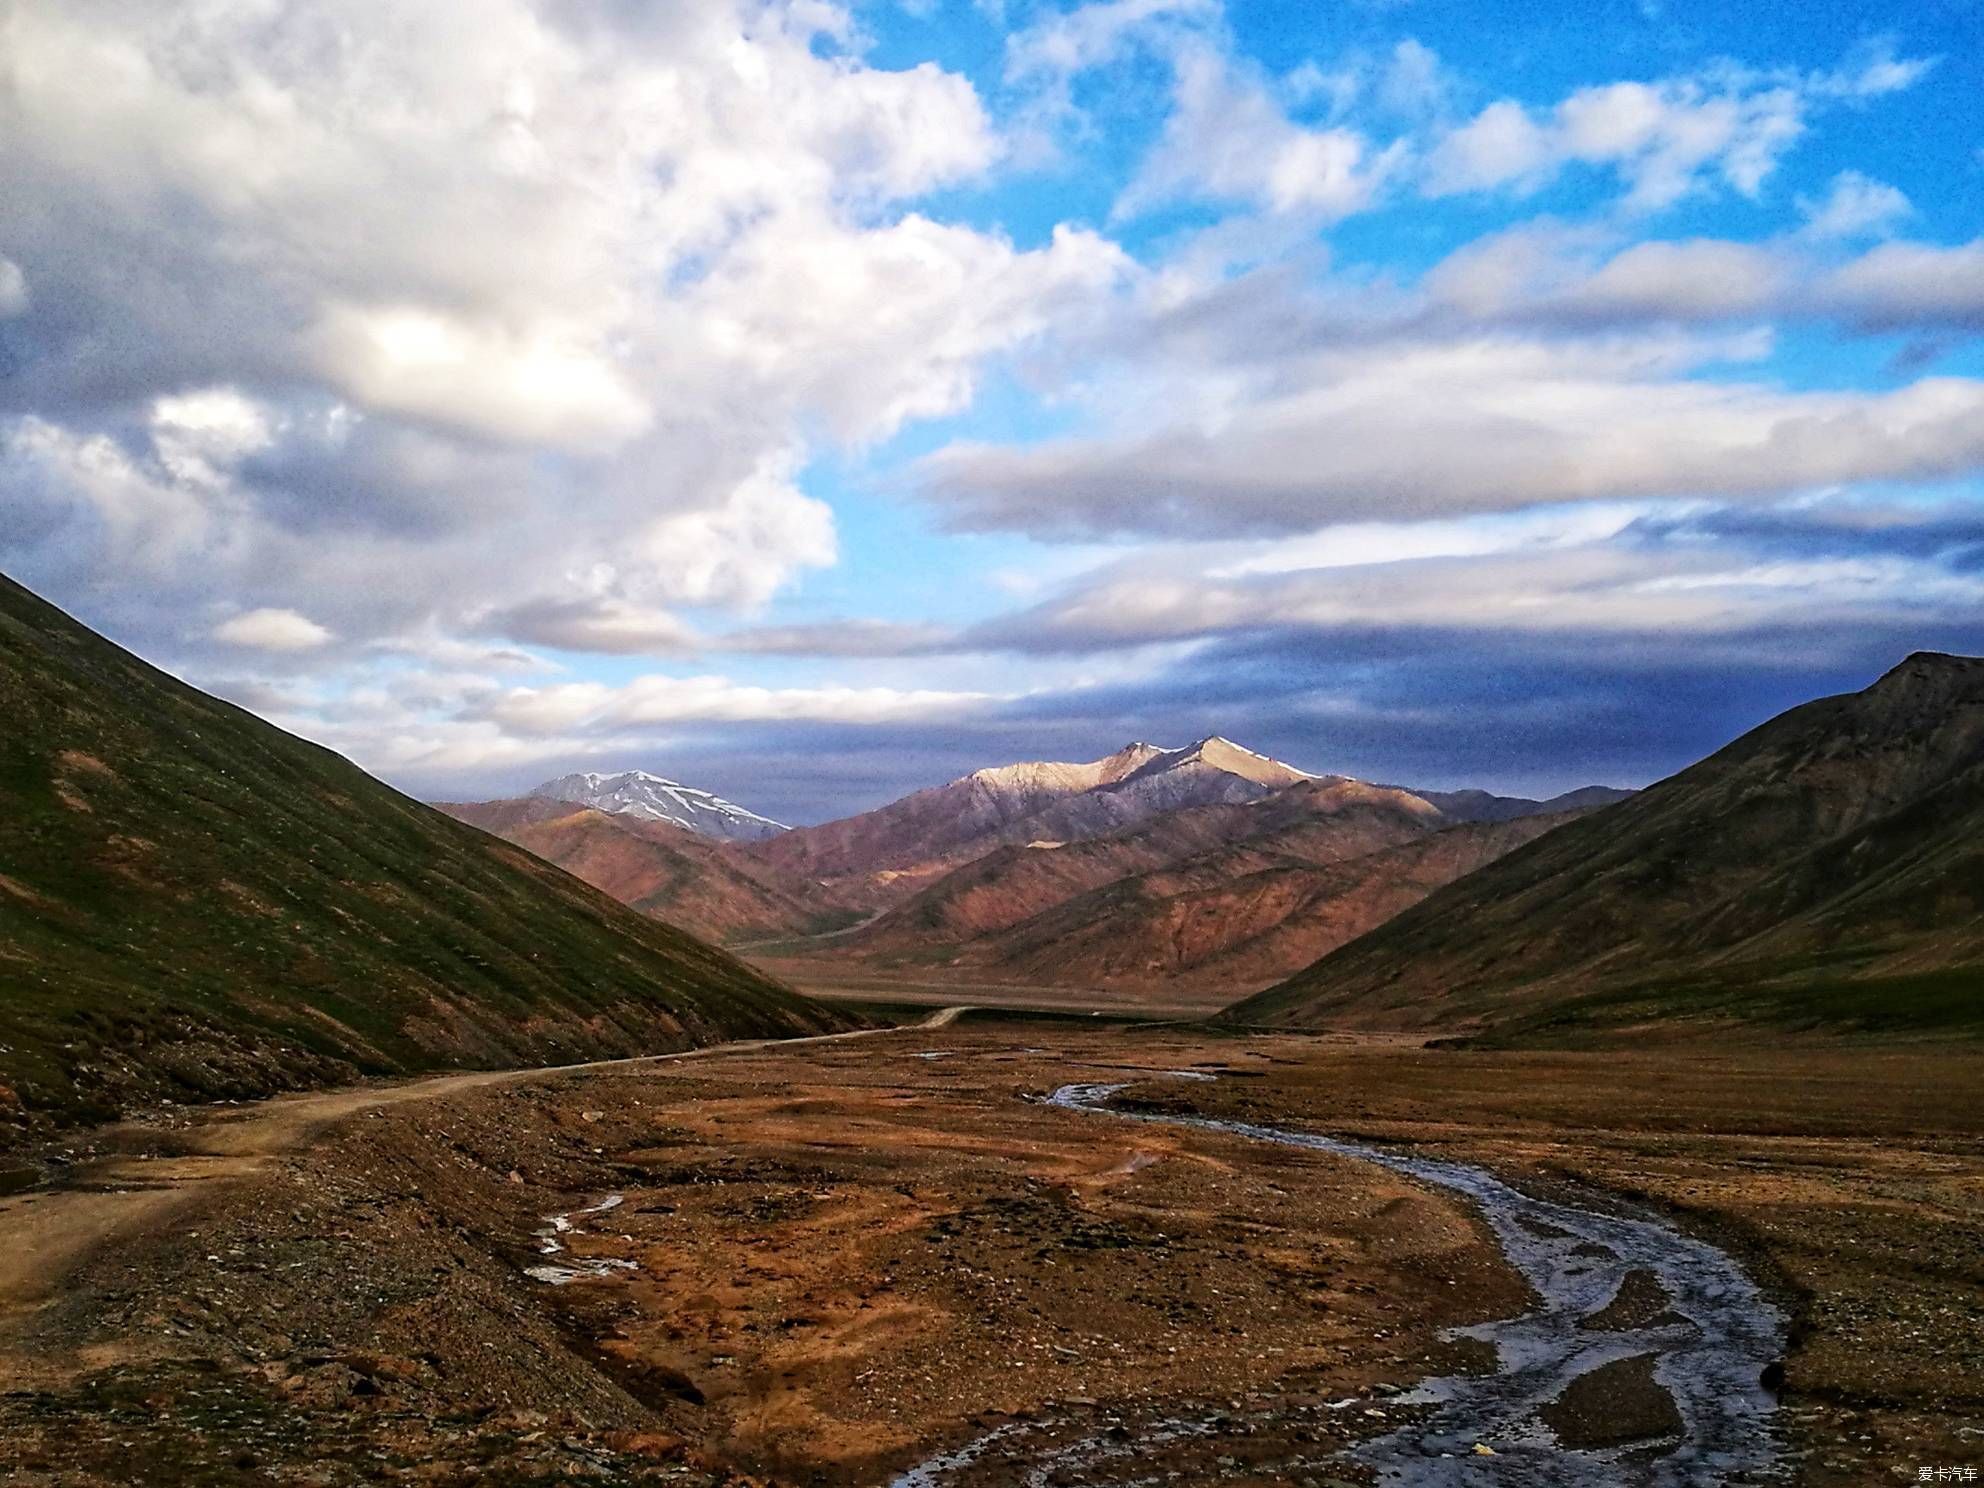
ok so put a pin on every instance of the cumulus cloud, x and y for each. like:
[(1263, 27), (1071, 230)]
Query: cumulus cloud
[(1228, 139), (90, 501), (1912, 284), (1856, 205), (273, 630), (1556, 274), (379, 350), (587, 283), (1665, 139)]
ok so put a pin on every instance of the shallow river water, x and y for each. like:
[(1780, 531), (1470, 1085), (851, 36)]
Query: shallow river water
[(1710, 1343)]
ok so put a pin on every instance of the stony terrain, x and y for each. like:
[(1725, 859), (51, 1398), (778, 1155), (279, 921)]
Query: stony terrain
[(827, 1262)]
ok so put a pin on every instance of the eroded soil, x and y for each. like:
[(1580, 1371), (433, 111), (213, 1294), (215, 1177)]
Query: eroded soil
[(843, 1258)]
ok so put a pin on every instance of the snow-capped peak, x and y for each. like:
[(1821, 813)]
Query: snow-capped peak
[(637, 793)]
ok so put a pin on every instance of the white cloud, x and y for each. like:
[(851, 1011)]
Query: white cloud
[(1856, 206), (1534, 583), (739, 553), (1063, 43), (1560, 274), (612, 626), (1414, 83), (534, 316), (1873, 70), (1902, 284), (1490, 423), (589, 707), (495, 294), (1551, 275), (1228, 139), (200, 437), (1665, 139), (13, 288), (868, 331), (273, 630), (1500, 146), (547, 386), (87, 496)]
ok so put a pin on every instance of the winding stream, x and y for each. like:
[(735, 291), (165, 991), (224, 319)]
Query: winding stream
[(1708, 1339), (551, 1242)]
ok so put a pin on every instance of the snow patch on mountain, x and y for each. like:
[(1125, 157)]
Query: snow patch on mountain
[(1060, 778), (654, 798)]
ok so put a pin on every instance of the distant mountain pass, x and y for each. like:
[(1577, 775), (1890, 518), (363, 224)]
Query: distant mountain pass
[(1211, 865), (1482, 806)]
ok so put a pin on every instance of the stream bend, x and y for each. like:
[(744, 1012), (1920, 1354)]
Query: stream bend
[(1616, 1293)]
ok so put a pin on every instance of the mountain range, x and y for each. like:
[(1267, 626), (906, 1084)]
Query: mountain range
[(1827, 867), (1215, 899), (883, 855), (194, 904), (1210, 864)]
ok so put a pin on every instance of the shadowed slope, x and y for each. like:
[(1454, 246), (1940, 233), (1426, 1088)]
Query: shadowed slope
[(1827, 866)]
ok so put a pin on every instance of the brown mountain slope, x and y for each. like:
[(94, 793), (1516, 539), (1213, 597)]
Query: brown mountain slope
[(506, 816), (662, 870), (195, 904), (1315, 821), (887, 854), (948, 822), (1827, 866), (1240, 917)]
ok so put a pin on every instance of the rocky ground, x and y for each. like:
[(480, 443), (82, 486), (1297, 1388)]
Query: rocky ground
[(827, 1263)]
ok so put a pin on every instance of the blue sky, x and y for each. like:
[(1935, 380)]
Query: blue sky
[(815, 402)]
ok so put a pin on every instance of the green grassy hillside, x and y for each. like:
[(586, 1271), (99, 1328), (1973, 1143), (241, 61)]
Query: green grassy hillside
[(195, 904)]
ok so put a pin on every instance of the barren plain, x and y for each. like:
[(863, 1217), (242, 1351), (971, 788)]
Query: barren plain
[(882, 1259)]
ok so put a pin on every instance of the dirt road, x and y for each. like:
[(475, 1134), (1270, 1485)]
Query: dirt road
[(45, 1233)]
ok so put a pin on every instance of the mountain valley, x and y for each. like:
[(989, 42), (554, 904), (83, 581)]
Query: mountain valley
[(1066, 1224)]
